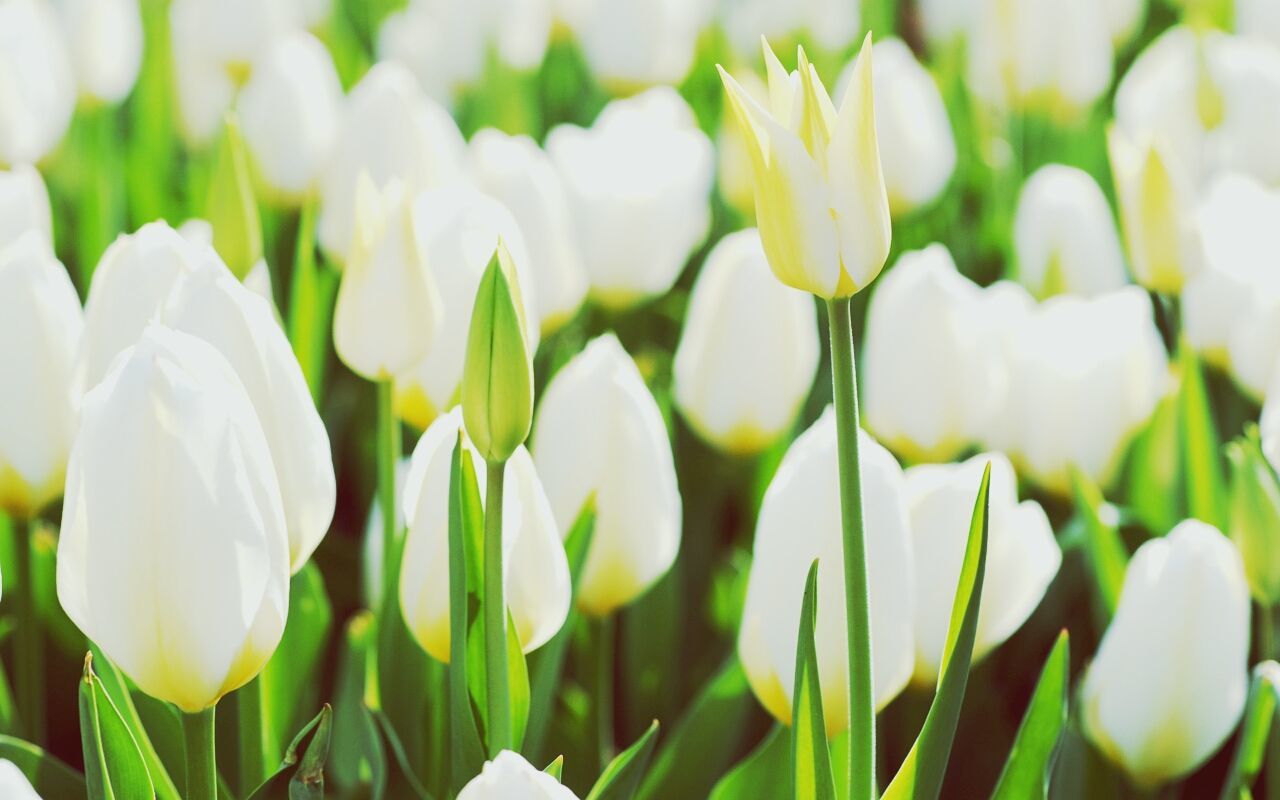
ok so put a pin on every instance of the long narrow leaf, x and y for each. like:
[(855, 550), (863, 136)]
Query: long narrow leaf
[(1201, 447), (467, 753), (1259, 717), (1106, 552), (117, 689), (621, 778), (811, 774), (114, 767), (49, 776), (1026, 773), (762, 775)]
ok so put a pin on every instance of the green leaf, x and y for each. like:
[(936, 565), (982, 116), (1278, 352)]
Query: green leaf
[(621, 778), (811, 774), (1201, 447), (1104, 548), (403, 783), (763, 775), (358, 759), (1259, 717), (920, 776), (50, 777), (556, 768), (114, 767), (1254, 523), (230, 207), (1026, 774), (301, 778), (1155, 469), (465, 518), (518, 683), (117, 689)]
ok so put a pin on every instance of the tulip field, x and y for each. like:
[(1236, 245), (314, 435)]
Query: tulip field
[(640, 399)]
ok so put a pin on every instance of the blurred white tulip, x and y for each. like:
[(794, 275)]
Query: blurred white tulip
[(1259, 19), (457, 230), (520, 175), (599, 433), (639, 184), (749, 350), (171, 492), (289, 113), (946, 21), (1022, 555), (800, 521), (14, 784), (535, 569), (830, 24), (1168, 683), (40, 322), (630, 43), (509, 776), (390, 130), (37, 82), (199, 232), (1065, 236), (388, 309), (24, 204), (104, 38)]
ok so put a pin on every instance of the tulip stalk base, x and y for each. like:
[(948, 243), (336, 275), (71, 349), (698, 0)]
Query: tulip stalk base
[(28, 644), (202, 770), (388, 455), (844, 387), (497, 679)]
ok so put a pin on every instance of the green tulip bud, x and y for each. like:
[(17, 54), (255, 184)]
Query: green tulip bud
[(497, 376), (1255, 517), (230, 206)]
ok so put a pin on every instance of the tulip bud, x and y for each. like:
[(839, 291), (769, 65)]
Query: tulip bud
[(40, 92), (510, 776), (821, 202), (535, 569), (497, 376), (40, 321), (1168, 683), (105, 38), (1064, 236), (14, 784), (800, 521), (1255, 512), (174, 556), (24, 204), (388, 308), (599, 432), (230, 207), (631, 43), (1022, 555), (749, 350)]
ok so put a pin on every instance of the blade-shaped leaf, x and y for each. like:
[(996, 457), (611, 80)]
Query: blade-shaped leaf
[(1107, 555), (50, 777), (117, 689), (465, 517), (556, 768), (301, 777), (289, 679), (114, 768), (1259, 717), (1201, 447), (1026, 773), (621, 778), (762, 775), (402, 783), (811, 774), (358, 759), (518, 683)]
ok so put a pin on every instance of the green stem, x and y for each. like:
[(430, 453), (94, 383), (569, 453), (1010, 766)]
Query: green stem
[(1269, 643), (862, 711), (604, 636), (202, 770), (497, 688), (388, 455), (29, 644), (249, 718)]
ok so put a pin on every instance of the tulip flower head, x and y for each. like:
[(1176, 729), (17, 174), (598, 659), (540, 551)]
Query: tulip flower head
[(24, 204), (105, 38), (509, 776), (38, 80), (821, 202), (630, 44)]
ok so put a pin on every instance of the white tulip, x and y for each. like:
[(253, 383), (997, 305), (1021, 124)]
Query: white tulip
[(1258, 18), (831, 24), (289, 113), (749, 350), (1022, 555), (1064, 235), (639, 184), (1168, 683), (24, 204), (458, 230), (199, 232), (519, 174), (388, 309), (36, 80), (800, 521), (14, 784), (600, 433), (173, 556), (733, 162), (105, 42), (390, 130), (629, 43), (40, 322), (509, 776), (946, 21), (917, 147), (535, 569)]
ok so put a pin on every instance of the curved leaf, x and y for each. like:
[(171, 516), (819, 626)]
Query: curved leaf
[(621, 778), (114, 767), (50, 777), (811, 774), (763, 775), (1026, 773)]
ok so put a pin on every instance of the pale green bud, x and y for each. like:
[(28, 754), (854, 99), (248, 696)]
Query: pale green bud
[(230, 205)]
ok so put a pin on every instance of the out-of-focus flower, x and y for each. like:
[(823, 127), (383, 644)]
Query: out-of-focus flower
[(519, 174), (821, 202), (800, 521), (104, 39), (1258, 18), (749, 350), (171, 491), (630, 43), (289, 113), (927, 388), (1064, 235), (37, 82), (917, 148), (458, 230), (510, 776), (1168, 683), (535, 570), (390, 130), (1022, 555), (14, 784), (831, 24), (599, 433), (1084, 375), (388, 309), (24, 204), (199, 232), (40, 320), (638, 182)]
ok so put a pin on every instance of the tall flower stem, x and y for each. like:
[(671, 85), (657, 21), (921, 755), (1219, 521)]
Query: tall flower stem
[(388, 455), (862, 720), (1269, 644), (202, 770), (28, 645), (497, 686)]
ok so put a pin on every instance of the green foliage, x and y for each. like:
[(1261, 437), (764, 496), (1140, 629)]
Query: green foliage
[(621, 778), (114, 767), (1026, 774), (811, 774)]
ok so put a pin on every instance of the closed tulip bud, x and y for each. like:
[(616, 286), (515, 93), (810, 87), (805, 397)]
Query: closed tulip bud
[(388, 307), (749, 350), (289, 113), (36, 71), (800, 521), (13, 784), (105, 42), (820, 194), (24, 204), (535, 569), (510, 776), (1022, 555), (1168, 683), (1064, 236), (1255, 509), (638, 182), (390, 130), (230, 205), (458, 229), (600, 433), (515, 171), (174, 556), (631, 43), (497, 376), (40, 320)]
